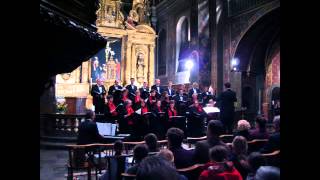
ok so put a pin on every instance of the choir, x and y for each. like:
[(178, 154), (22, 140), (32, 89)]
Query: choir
[(139, 111)]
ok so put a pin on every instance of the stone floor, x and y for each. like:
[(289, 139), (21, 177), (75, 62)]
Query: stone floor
[(53, 164)]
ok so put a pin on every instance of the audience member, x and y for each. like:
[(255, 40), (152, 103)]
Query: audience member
[(260, 132), (214, 130), (255, 160), (239, 155), (267, 173), (88, 132), (219, 167), (182, 157), (156, 168), (140, 151), (151, 141), (274, 140), (243, 128)]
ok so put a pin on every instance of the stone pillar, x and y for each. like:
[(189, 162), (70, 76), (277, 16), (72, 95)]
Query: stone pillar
[(151, 74), (128, 64), (213, 43)]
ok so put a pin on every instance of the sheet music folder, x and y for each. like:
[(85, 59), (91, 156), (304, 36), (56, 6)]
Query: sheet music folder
[(211, 110), (107, 129)]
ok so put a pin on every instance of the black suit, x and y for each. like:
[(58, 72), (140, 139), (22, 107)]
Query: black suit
[(182, 158), (132, 90), (158, 89), (206, 96), (191, 92), (113, 89), (88, 133), (144, 92), (98, 98), (226, 103), (170, 93)]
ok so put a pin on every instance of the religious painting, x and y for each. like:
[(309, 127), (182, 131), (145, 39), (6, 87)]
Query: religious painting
[(106, 64)]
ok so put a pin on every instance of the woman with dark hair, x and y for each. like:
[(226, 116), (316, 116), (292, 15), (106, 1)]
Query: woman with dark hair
[(165, 100), (219, 167), (157, 124), (260, 132), (172, 111), (136, 100), (152, 99), (111, 112)]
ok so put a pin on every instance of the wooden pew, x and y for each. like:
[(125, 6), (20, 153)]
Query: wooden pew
[(193, 172), (273, 158), (256, 144)]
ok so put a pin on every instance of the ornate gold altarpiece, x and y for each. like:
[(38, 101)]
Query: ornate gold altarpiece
[(137, 51)]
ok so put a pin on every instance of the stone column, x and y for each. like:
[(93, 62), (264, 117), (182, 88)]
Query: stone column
[(151, 65), (128, 64)]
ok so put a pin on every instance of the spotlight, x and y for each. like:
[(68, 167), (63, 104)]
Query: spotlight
[(234, 62), (234, 68), (189, 64)]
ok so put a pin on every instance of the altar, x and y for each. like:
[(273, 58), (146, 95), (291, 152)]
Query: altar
[(129, 53)]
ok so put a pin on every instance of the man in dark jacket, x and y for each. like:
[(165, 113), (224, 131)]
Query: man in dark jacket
[(98, 92), (182, 157), (132, 89), (157, 88), (226, 102), (88, 132), (170, 90)]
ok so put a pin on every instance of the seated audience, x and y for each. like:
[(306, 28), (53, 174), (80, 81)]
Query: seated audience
[(267, 173), (88, 131), (260, 132), (118, 148), (274, 140), (255, 160), (182, 157), (243, 128), (151, 141), (115, 162), (239, 155), (219, 167), (140, 151), (214, 130), (167, 154), (156, 168)]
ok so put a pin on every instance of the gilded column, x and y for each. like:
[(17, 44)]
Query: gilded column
[(128, 64), (151, 65)]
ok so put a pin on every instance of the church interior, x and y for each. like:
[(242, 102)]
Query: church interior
[(160, 89)]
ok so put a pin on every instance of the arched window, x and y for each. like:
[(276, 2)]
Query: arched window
[(182, 42), (161, 58)]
